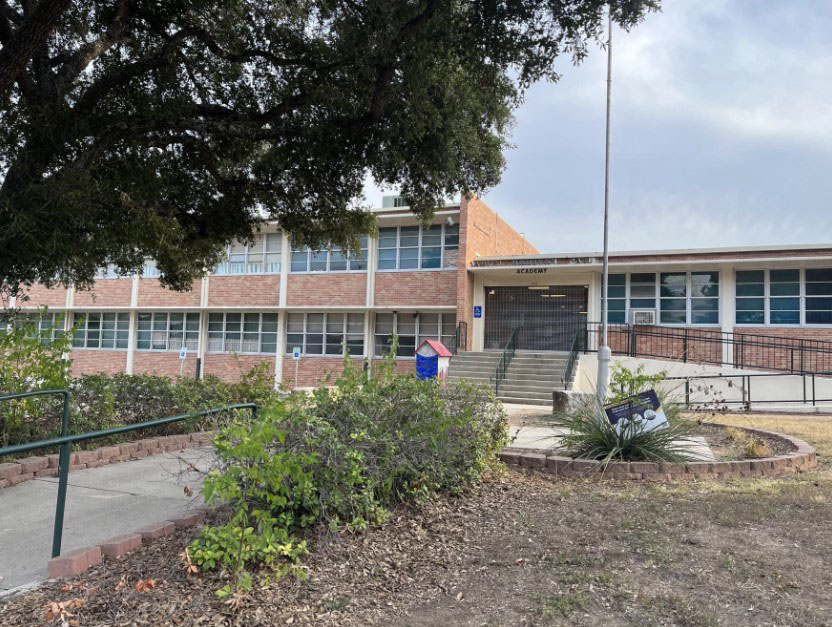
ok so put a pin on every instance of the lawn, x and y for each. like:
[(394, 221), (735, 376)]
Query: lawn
[(526, 549)]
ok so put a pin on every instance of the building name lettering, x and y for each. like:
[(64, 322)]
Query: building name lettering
[(531, 270)]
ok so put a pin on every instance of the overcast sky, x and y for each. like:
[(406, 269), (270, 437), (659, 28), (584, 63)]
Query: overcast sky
[(721, 134)]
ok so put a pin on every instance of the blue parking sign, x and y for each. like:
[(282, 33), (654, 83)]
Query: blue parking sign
[(478, 311)]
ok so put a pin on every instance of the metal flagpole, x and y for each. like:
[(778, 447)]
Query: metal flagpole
[(604, 353)]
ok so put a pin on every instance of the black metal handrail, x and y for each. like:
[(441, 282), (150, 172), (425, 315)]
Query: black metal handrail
[(505, 358), (460, 337), (578, 346), (744, 386), (714, 346), (65, 442)]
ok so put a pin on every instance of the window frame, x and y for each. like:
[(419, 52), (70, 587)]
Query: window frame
[(767, 296), (120, 316), (658, 298), (242, 332), (444, 247), (31, 317), (224, 268), (344, 333), (167, 330), (349, 259), (443, 318)]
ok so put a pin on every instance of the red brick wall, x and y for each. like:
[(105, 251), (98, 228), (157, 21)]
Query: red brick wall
[(105, 293), (416, 288), (313, 370), (40, 296), (164, 364), (255, 290), (481, 233), (327, 289), (233, 367), (152, 294), (95, 361)]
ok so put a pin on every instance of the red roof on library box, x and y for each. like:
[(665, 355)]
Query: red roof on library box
[(438, 346)]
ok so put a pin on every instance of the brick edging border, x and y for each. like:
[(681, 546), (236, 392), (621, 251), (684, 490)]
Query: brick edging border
[(28, 468), (76, 562), (802, 457)]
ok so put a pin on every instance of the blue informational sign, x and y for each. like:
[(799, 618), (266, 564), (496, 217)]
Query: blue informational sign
[(642, 411), (478, 311)]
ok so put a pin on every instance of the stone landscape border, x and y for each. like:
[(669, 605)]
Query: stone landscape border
[(802, 457), (27, 468)]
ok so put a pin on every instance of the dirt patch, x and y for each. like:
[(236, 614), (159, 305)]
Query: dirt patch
[(730, 444), (524, 549)]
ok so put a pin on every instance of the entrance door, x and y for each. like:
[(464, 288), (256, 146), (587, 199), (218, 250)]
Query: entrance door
[(548, 316)]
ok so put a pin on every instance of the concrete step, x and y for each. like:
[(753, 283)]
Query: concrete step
[(513, 400), (540, 396)]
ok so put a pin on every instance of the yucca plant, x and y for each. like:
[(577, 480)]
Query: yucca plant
[(591, 436)]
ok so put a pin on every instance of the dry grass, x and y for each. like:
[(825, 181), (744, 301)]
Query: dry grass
[(815, 429)]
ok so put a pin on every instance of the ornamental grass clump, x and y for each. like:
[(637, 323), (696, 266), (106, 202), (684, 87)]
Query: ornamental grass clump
[(590, 435)]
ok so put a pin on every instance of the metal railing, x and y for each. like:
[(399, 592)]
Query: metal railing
[(711, 346), (578, 346), (714, 397), (65, 442), (505, 360), (460, 337)]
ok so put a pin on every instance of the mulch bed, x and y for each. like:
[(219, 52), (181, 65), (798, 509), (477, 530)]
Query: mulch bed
[(725, 448), (522, 549)]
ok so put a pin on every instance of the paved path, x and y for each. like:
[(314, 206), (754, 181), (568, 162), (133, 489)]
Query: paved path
[(101, 503)]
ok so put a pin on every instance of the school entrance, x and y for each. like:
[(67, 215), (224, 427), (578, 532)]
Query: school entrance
[(546, 316)]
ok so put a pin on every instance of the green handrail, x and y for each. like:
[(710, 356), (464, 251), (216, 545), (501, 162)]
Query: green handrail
[(505, 359), (577, 346), (66, 441)]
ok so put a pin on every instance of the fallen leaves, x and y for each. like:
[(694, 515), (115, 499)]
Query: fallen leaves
[(145, 585), (61, 610)]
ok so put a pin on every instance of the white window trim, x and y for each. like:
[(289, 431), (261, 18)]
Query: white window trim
[(36, 318), (441, 267), (344, 334), (767, 294), (262, 254), (77, 314), (167, 348), (419, 337), (242, 331)]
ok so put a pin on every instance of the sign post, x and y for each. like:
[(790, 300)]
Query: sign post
[(183, 352), (296, 357)]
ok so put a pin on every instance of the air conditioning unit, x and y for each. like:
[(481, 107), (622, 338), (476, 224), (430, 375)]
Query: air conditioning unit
[(643, 316)]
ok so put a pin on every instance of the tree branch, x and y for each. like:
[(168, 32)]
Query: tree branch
[(28, 39)]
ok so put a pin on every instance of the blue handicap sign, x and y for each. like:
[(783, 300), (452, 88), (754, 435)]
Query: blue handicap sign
[(478, 311)]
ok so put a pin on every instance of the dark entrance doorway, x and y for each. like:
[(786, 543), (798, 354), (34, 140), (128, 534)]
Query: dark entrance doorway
[(548, 316)]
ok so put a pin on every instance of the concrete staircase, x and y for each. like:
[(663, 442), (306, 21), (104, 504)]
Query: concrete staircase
[(530, 378)]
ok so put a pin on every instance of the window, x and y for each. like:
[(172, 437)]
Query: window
[(768, 297), (260, 256), (242, 333), (101, 330), (673, 298), (617, 298), (149, 269), (110, 271), (819, 296), (415, 247), (331, 260), (784, 296), (750, 300), (643, 290), (704, 297), (412, 329), (325, 333), (50, 326), (167, 331)]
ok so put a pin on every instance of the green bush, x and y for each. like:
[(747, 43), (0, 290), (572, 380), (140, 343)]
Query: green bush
[(345, 455)]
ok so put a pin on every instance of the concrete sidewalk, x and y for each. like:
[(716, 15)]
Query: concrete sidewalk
[(101, 503)]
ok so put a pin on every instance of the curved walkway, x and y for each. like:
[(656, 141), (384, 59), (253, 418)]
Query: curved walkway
[(101, 503)]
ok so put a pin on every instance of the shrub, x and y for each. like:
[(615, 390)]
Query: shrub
[(625, 382), (736, 435), (757, 447), (345, 455)]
